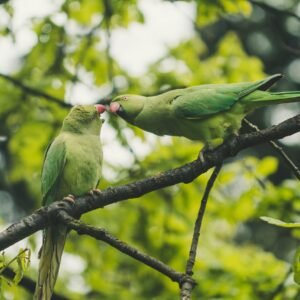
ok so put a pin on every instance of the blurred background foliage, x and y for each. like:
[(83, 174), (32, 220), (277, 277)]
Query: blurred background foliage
[(240, 257)]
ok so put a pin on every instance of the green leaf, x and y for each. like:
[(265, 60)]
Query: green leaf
[(296, 266), (280, 223), (23, 260), (267, 166)]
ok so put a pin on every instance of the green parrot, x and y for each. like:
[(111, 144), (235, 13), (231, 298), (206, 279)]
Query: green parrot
[(72, 166), (209, 113)]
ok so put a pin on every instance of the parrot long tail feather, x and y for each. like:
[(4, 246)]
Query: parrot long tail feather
[(51, 253), (262, 85), (291, 94), (266, 98)]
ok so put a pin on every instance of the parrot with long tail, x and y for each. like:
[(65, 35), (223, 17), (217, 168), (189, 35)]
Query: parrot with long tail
[(208, 113), (72, 168)]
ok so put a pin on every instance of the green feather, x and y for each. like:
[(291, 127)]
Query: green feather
[(209, 113), (53, 167), (205, 100), (72, 165)]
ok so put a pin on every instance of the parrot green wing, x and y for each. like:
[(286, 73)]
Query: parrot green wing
[(53, 168), (204, 101)]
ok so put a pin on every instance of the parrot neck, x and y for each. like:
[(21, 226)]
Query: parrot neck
[(78, 128)]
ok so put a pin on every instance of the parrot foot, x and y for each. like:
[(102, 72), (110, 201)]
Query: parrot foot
[(92, 192), (201, 157), (209, 147), (205, 150), (69, 198)]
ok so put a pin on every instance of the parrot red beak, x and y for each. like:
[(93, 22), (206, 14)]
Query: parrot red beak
[(114, 107), (100, 108)]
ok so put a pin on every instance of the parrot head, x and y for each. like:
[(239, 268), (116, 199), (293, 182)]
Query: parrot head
[(127, 106), (84, 118)]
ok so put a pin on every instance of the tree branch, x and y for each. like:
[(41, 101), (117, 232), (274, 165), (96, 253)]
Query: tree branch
[(184, 174), (35, 92), (103, 235), (187, 285), (279, 150)]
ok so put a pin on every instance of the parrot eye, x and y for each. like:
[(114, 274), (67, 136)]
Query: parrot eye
[(125, 98)]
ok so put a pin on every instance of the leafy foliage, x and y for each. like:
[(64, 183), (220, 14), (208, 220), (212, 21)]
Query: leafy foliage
[(21, 261), (210, 11)]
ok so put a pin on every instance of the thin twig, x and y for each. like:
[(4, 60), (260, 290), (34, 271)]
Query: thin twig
[(187, 286), (35, 92), (291, 49), (281, 286), (274, 10), (279, 150), (88, 42), (108, 12), (5, 265), (183, 174), (27, 283), (102, 235)]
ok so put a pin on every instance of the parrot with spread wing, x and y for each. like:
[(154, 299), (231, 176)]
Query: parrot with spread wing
[(72, 167), (209, 113)]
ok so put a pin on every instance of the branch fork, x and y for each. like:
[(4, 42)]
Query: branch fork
[(66, 212)]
